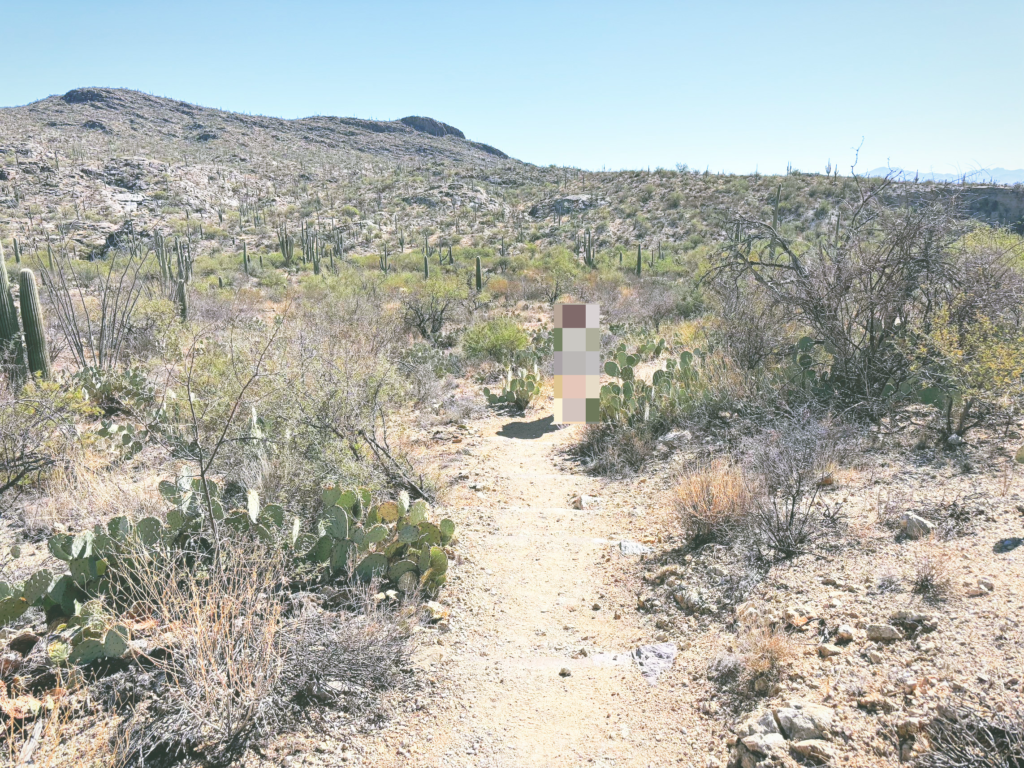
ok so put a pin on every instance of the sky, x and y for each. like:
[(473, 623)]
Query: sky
[(729, 86)]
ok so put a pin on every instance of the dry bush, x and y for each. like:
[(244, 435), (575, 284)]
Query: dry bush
[(931, 575), (763, 652), (712, 501), (241, 659), (789, 463), (961, 736)]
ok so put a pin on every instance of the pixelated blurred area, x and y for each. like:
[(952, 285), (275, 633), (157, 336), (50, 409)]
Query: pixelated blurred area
[(577, 363)]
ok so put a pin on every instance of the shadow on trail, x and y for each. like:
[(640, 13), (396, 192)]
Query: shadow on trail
[(528, 430)]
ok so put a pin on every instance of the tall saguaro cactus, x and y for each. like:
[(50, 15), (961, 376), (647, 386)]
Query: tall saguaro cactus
[(32, 321), (479, 275), (11, 352), (639, 262)]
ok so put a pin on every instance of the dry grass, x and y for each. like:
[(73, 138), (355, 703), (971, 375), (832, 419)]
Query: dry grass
[(765, 651), (931, 575), (242, 659), (711, 500)]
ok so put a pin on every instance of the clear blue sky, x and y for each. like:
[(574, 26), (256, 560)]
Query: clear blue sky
[(730, 85)]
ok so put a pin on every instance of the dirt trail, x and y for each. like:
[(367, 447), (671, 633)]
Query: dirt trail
[(539, 587)]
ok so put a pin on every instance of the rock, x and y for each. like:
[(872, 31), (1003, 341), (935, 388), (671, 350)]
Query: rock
[(987, 583), (977, 592), (916, 527), (875, 657), (1007, 545), (815, 750), (653, 660), (883, 633), (634, 548), (565, 672), (764, 744), (431, 126), (24, 642), (712, 762), (435, 611), (912, 621), (875, 702), (761, 722), (800, 721), (844, 634), (583, 501), (825, 650)]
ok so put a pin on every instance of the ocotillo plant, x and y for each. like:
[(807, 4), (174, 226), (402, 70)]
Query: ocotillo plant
[(32, 321), (11, 351), (479, 275)]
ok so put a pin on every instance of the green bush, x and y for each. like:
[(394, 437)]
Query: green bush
[(498, 340)]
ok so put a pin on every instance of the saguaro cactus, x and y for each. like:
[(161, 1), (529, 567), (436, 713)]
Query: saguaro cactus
[(639, 263), (181, 299), (426, 268), (479, 275), (10, 334), (32, 321)]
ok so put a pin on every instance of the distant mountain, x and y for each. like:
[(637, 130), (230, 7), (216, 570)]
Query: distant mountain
[(980, 176)]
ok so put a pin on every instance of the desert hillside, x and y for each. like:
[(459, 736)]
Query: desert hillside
[(280, 482)]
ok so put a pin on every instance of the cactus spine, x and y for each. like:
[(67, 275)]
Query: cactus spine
[(479, 275), (32, 320)]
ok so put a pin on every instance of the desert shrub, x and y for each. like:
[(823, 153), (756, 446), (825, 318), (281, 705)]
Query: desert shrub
[(931, 575), (38, 430), (241, 667), (858, 281), (432, 303), (961, 735), (790, 463), (498, 340), (966, 368), (761, 656), (614, 450), (712, 501)]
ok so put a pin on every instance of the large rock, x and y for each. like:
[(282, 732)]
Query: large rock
[(800, 721)]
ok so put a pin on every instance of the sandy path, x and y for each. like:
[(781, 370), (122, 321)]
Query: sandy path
[(522, 597)]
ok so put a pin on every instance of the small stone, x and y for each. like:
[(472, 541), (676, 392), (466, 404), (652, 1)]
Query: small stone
[(564, 672), (583, 501), (617, 615), (596, 607), (875, 657), (916, 527), (987, 583), (634, 548), (977, 592), (826, 649), (844, 634), (883, 633)]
